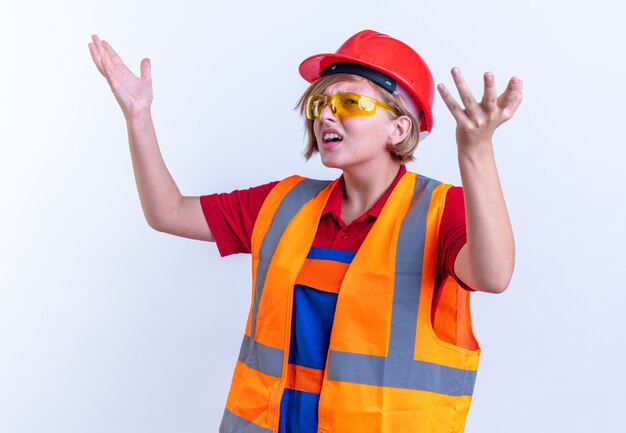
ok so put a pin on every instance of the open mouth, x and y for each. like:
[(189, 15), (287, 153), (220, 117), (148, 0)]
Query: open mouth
[(331, 137)]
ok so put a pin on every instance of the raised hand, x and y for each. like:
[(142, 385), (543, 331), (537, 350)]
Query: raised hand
[(476, 123), (487, 260), (134, 94)]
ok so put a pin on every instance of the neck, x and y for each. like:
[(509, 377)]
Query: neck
[(365, 186)]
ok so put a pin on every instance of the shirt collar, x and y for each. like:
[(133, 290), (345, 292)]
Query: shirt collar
[(333, 205)]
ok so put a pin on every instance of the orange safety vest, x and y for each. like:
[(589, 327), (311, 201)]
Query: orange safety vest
[(387, 370)]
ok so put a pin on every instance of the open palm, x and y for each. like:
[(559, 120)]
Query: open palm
[(134, 94), (477, 121)]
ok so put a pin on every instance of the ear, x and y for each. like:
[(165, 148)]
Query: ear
[(399, 129)]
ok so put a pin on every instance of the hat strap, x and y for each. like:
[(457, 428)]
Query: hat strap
[(384, 81)]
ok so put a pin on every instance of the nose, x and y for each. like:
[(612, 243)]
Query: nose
[(327, 114)]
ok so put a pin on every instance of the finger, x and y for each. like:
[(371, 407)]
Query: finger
[(115, 59), (95, 53), (510, 110), (455, 109), (510, 93), (464, 92), (95, 57), (490, 96), (98, 44), (145, 67), (105, 62)]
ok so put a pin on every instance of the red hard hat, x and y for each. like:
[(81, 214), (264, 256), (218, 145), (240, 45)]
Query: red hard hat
[(390, 57)]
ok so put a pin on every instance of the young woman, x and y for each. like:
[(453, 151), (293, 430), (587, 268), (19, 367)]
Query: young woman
[(360, 316)]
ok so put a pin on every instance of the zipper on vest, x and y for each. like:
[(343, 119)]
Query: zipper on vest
[(321, 407), (274, 404), (322, 416)]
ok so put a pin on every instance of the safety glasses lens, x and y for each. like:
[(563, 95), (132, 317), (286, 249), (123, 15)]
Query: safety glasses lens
[(342, 105)]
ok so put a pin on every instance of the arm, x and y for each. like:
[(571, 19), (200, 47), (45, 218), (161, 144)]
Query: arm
[(164, 207), (486, 262)]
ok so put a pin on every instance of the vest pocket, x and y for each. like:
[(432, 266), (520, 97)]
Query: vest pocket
[(274, 404)]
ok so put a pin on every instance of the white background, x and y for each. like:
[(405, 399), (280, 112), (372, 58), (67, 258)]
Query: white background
[(109, 326)]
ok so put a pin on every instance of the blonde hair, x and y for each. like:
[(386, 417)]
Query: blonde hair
[(402, 151)]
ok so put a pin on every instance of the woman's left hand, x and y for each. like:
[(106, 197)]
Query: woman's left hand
[(476, 123), (487, 260)]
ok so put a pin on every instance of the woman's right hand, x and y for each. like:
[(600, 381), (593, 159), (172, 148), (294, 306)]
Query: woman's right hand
[(134, 94)]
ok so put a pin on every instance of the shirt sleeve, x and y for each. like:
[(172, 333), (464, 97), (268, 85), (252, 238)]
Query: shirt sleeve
[(231, 217), (452, 232)]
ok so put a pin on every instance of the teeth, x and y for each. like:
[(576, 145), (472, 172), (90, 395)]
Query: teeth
[(331, 136)]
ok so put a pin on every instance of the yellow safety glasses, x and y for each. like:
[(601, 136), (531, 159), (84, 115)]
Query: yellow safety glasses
[(344, 105)]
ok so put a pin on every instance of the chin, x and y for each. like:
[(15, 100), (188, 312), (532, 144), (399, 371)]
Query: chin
[(331, 161)]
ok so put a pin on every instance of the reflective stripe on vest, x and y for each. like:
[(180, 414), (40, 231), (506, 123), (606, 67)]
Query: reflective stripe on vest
[(398, 373)]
